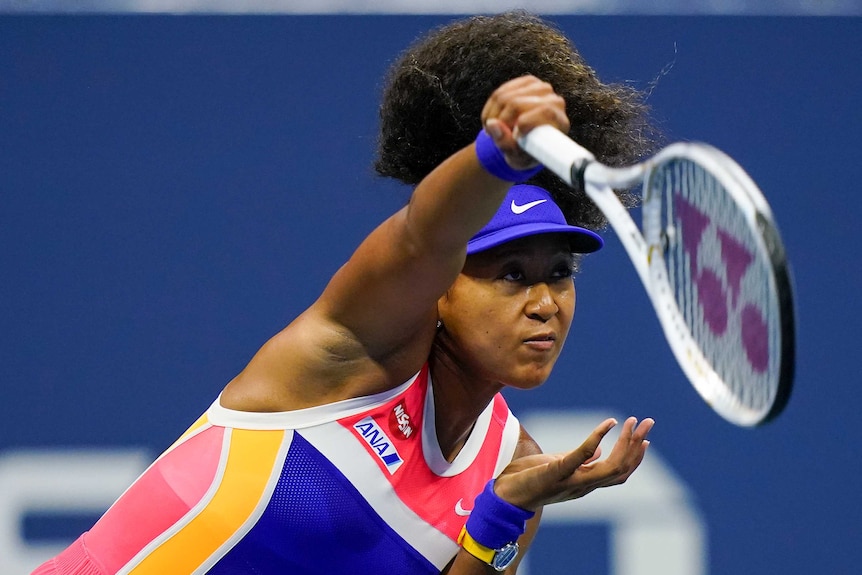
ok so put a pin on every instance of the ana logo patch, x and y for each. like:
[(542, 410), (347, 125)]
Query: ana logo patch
[(380, 443)]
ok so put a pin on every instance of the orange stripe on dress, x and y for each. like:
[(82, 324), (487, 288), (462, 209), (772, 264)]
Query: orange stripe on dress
[(250, 461), (160, 498)]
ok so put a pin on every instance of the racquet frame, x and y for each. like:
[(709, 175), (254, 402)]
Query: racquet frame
[(579, 169)]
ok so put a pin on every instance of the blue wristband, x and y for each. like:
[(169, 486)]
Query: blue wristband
[(494, 162), (494, 522)]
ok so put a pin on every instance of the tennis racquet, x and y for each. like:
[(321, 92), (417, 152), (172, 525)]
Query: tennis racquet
[(711, 260)]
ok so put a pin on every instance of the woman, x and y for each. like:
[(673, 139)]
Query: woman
[(370, 435)]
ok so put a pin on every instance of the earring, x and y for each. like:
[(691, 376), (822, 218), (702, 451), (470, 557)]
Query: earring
[(439, 323)]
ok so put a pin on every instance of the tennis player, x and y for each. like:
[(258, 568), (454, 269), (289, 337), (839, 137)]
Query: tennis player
[(369, 436)]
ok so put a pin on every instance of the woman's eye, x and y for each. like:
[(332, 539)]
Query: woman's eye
[(563, 272), (514, 276)]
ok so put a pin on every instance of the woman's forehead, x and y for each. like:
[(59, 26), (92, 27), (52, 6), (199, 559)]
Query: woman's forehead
[(536, 244), (539, 250)]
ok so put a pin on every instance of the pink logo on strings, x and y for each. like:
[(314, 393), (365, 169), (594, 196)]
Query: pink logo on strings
[(713, 293)]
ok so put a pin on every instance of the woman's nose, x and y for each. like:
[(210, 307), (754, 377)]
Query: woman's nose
[(540, 302)]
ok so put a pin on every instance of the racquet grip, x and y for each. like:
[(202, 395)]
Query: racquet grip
[(556, 151)]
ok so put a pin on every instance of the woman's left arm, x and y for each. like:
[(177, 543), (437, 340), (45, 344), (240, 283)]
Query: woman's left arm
[(535, 479)]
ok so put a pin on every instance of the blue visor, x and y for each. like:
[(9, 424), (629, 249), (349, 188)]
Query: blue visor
[(526, 211)]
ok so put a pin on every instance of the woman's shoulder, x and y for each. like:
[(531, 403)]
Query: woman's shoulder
[(309, 363)]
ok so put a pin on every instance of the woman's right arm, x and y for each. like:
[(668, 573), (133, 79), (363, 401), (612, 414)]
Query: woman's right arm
[(391, 284), (372, 327)]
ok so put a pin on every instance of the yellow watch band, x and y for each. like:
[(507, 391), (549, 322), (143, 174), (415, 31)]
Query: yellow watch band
[(475, 548)]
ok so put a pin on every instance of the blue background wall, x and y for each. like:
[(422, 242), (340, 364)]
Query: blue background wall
[(174, 190)]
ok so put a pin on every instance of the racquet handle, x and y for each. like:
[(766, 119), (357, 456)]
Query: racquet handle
[(556, 151)]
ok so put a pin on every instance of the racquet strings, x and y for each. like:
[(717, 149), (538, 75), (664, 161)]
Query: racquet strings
[(722, 281)]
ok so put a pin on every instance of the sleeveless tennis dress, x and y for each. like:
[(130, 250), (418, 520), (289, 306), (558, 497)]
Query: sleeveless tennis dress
[(358, 486)]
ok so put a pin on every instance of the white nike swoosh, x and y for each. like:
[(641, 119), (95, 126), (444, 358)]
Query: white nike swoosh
[(460, 510), (516, 209)]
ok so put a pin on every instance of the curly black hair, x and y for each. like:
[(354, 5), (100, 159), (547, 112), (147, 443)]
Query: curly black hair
[(435, 91)]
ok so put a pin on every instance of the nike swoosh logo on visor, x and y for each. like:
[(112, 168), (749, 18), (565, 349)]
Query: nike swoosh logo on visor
[(516, 209), (460, 510)]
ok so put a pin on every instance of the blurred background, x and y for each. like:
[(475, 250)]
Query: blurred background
[(178, 180)]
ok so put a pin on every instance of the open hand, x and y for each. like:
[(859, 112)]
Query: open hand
[(536, 480)]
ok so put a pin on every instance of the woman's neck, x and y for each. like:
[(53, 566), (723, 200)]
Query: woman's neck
[(459, 399)]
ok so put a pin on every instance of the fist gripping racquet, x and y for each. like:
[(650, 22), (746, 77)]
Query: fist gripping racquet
[(711, 260)]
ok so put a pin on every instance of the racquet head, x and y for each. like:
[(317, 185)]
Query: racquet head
[(720, 282)]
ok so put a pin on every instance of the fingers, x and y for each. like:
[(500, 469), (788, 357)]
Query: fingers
[(595, 456), (505, 95), (588, 450), (524, 103), (518, 106), (583, 467), (633, 431), (536, 480), (628, 451)]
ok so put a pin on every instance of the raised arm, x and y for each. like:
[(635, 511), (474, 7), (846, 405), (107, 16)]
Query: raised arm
[(373, 325), (389, 289)]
